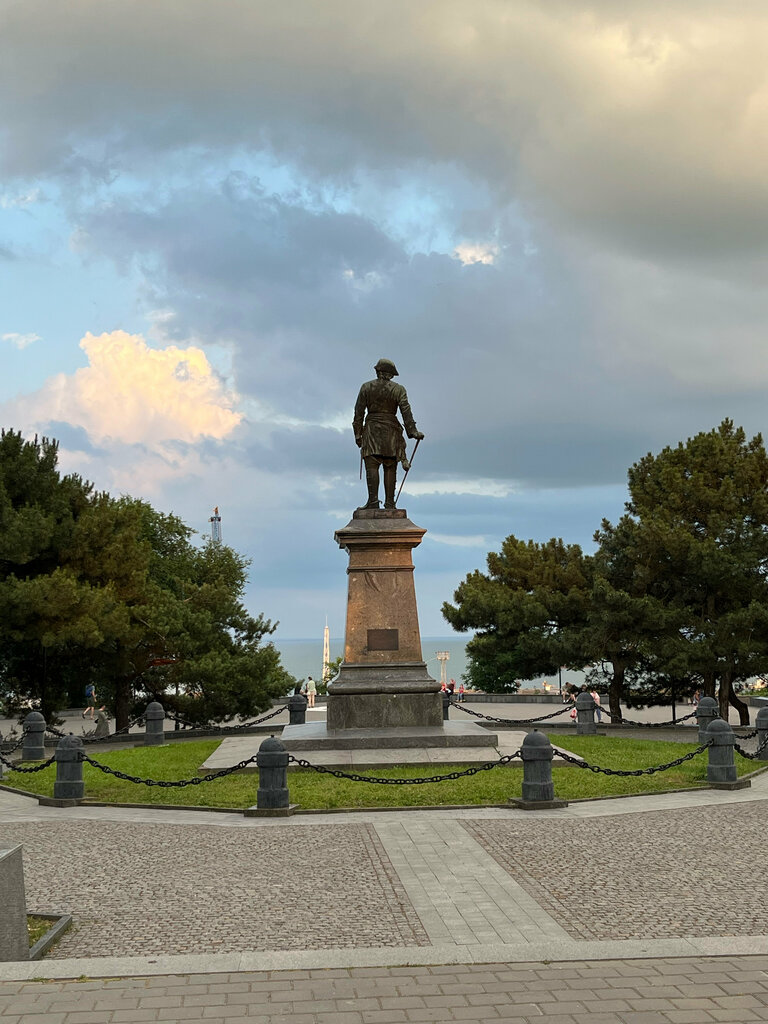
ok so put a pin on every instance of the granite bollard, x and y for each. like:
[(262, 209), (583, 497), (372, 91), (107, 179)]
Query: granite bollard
[(14, 938), (102, 725), (707, 710), (33, 748), (446, 706), (761, 723), (154, 734), (272, 762), (585, 715), (69, 783), (538, 788), (721, 769), (297, 709)]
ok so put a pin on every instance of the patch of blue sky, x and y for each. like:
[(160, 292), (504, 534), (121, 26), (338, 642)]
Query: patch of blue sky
[(49, 289), (425, 208)]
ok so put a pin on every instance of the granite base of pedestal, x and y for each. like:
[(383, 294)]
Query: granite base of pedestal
[(394, 695), (317, 736)]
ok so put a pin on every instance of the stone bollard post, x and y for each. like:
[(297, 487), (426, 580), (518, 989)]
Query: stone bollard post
[(69, 783), (14, 937), (538, 787), (707, 711), (272, 762), (762, 733), (585, 715), (446, 706), (721, 770), (33, 748), (102, 725), (155, 715), (297, 709)]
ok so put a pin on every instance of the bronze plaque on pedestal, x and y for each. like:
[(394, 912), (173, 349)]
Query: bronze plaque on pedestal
[(383, 640)]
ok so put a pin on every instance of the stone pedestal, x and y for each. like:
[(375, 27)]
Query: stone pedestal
[(383, 682)]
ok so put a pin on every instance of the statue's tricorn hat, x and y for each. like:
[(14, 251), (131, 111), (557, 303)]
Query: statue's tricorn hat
[(388, 366)]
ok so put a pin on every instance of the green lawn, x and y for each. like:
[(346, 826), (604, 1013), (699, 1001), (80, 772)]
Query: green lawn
[(312, 790)]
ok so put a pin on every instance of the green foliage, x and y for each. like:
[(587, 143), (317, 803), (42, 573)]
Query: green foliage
[(675, 597), (111, 591), (696, 534), (526, 611)]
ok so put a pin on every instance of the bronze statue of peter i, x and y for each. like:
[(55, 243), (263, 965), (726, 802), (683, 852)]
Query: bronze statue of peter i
[(379, 434)]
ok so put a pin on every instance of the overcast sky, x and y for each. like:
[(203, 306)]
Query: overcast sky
[(216, 217)]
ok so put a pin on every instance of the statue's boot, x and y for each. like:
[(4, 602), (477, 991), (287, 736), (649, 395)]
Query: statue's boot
[(390, 479), (372, 480)]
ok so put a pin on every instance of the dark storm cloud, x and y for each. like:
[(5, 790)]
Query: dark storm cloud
[(617, 119)]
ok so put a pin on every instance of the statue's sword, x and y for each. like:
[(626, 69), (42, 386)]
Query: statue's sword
[(410, 463)]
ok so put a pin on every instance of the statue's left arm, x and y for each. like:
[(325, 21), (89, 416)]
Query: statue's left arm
[(408, 421)]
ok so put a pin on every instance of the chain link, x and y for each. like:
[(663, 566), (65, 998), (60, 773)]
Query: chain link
[(744, 753), (637, 771), (17, 744), (226, 728), (28, 771), (322, 769), (86, 738), (646, 725), (166, 784), (511, 721)]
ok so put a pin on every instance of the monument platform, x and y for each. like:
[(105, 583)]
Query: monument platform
[(316, 736)]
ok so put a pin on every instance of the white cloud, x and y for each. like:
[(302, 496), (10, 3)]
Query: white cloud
[(134, 394), (485, 488), (21, 341), (456, 540), (477, 252)]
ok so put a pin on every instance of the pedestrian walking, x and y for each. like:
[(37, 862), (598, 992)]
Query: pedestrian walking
[(596, 698), (90, 700), (311, 691)]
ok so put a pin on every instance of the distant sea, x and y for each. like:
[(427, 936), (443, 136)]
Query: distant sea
[(304, 658)]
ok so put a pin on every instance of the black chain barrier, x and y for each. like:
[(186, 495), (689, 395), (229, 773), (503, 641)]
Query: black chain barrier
[(322, 769), (511, 721), (198, 780), (747, 735), (28, 771), (94, 739), (636, 771), (17, 744), (759, 750), (226, 728), (646, 725)]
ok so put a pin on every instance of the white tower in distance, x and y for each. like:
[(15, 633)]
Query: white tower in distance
[(326, 651), (215, 522)]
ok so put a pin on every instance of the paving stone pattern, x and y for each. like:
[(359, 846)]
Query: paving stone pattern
[(669, 991), (684, 872), (145, 889)]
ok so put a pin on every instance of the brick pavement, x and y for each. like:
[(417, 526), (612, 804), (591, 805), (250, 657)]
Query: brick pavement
[(663, 991), (608, 878), (145, 889)]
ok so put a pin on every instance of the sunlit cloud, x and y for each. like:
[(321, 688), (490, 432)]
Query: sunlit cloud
[(477, 252), (134, 394)]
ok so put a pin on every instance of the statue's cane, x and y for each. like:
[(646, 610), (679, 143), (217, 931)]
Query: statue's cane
[(410, 463)]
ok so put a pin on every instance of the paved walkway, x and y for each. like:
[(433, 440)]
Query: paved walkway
[(605, 911)]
